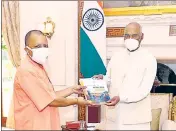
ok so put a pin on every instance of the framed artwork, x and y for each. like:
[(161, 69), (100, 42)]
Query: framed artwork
[(172, 31), (142, 7)]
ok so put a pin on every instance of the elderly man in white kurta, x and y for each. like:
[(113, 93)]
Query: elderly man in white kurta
[(130, 75)]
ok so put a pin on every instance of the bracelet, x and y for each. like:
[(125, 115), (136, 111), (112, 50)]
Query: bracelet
[(76, 100)]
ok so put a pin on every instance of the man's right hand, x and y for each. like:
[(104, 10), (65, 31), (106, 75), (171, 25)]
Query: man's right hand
[(82, 102), (113, 101), (100, 76)]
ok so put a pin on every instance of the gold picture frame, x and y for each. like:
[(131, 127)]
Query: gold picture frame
[(143, 10)]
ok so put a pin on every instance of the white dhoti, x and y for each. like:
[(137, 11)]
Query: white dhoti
[(119, 126), (121, 115)]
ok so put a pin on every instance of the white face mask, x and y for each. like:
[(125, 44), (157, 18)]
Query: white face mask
[(131, 44), (40, 55)]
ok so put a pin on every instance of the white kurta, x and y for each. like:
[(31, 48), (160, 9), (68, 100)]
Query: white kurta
[(131, 76)]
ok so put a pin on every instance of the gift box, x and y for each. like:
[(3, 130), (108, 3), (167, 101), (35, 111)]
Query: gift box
[(73, 125)]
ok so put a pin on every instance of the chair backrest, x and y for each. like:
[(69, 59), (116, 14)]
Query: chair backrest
[(163, 101), (173, 109)]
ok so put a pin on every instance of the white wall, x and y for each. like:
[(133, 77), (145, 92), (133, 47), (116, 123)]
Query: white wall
[(63, 44), (156, 34)]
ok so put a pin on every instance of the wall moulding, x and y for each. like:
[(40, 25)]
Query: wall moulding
[(157, 20), (114, 32), (143, 45), (143, 10), (172, 30)]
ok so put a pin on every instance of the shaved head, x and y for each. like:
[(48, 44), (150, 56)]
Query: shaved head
[(35, 39), (136, 27), (134, 31), (30, 34)]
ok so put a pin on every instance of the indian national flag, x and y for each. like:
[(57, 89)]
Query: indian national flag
[(92, 40)]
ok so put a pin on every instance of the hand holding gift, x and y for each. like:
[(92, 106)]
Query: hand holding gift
[(113, 101), (96, 90), (78, 89), (81, 101), (98, 77)]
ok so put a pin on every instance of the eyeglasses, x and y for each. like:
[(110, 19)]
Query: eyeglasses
[(132, 36)]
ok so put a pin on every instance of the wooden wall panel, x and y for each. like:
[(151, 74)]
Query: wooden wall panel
[(81, 109)]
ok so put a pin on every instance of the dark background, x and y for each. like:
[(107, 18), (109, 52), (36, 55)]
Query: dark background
[(167, 76)]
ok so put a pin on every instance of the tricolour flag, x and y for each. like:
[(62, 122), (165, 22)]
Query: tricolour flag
[(92, 40)]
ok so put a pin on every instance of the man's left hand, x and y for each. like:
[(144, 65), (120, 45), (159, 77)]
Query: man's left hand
[(78, 89), (113, 101)]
